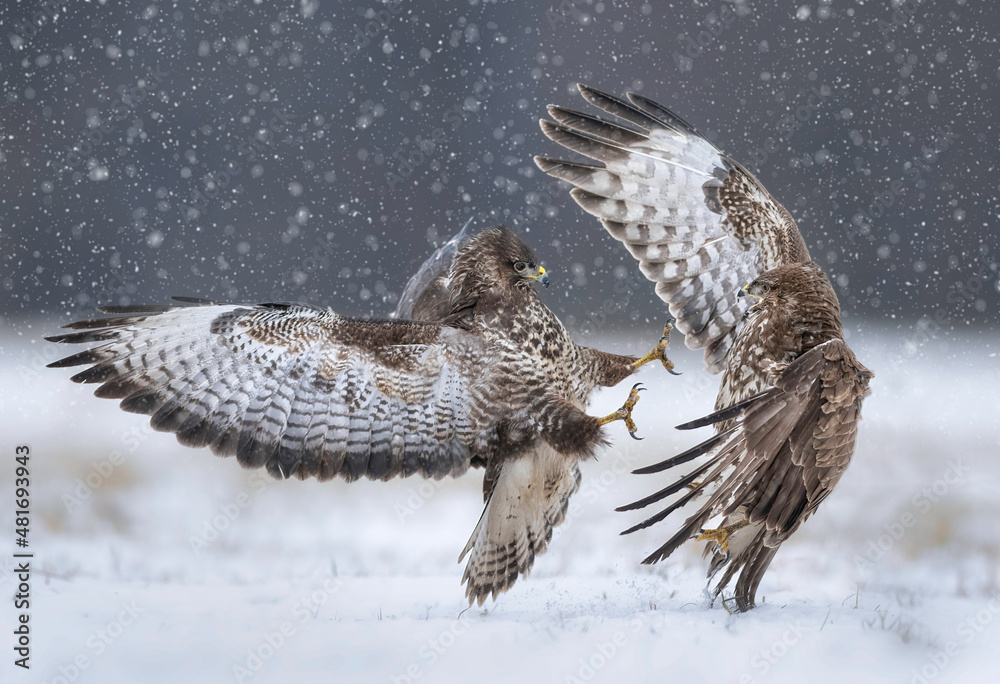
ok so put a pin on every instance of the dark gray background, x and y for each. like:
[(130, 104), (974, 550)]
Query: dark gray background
[(345, 158)]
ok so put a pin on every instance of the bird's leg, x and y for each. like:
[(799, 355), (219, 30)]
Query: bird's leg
[(721, 535), (625, 412), (659, 353), (726, 602)]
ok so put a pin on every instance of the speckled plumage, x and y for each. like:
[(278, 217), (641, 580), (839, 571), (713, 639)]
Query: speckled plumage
[(529, 481), (789, 400), (494, 380)]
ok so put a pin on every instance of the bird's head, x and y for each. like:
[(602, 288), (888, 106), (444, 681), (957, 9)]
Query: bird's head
[(497, 257), (789, 282), (772, 289), (764, 289), (757, 288), (800, 292)]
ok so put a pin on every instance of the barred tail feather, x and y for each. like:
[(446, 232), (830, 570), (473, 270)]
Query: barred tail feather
[(528, 500)]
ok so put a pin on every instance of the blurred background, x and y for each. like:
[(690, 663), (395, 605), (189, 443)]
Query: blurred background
[(318, 151)]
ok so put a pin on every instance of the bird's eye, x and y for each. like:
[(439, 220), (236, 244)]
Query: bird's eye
[(519, 266), (764, 288)]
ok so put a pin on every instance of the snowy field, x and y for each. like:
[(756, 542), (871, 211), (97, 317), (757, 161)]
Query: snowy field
[(157, 563)]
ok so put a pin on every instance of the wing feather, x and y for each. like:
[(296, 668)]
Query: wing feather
[(786, 450), (298, 390), (700, 224)]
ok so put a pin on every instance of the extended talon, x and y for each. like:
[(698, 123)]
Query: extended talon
[(721, 536), (625, 412), (659, 353)]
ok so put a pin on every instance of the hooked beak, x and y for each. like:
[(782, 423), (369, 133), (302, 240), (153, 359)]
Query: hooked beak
[(745, 292), (541, 276)]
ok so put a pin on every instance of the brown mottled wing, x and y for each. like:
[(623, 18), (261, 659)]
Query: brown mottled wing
[(298, 390), (699, 223), (786, 451)]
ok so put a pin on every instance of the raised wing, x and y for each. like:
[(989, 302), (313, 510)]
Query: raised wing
[(299, 390), (699, 223), (427, 295), (783, 455)]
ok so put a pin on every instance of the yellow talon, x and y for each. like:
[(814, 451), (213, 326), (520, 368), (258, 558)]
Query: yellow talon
[(625, 412), (659, 353), (721, 535)]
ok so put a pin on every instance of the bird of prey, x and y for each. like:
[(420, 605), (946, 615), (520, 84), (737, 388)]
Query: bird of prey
[(493, 381), (705, 230)]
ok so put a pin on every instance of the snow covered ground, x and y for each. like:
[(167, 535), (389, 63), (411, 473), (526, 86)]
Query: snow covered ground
[(157, 563)]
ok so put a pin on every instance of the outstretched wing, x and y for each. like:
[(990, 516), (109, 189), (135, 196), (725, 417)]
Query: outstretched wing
[(699, 223), (783, 455), (299, 390)]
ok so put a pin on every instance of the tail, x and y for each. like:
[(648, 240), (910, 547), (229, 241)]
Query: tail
[(527, 501)]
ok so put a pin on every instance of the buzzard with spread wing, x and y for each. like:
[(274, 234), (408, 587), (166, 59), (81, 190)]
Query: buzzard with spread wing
[(705, 230), (494, 380)]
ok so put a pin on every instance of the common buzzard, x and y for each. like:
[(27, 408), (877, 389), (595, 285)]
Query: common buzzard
[(493, 381), (705, 230)]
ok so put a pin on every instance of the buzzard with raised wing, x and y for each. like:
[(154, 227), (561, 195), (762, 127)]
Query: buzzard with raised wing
[(705, 230), (493, 381)]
